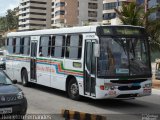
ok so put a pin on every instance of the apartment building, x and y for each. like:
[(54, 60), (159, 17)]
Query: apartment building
[(140, 2), (34, 14), (156, 15), (64, 13), (108, 9), (41, 14), (90, 11), (76, 12), (151, 4)]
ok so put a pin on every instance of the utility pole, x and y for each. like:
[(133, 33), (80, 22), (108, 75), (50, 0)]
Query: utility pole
[(117, 7), (146, 10)]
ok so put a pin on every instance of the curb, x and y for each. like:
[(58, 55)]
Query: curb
[(75, 115)]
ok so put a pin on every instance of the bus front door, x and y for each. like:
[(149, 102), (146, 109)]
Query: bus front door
[(33, 61), (90, 68)]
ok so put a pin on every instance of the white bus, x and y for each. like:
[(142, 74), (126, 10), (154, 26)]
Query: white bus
[(93, 61)]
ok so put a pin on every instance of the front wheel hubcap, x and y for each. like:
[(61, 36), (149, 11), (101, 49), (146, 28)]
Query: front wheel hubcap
[(74, 89)]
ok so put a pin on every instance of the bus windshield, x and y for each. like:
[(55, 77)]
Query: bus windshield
[(123, 57)]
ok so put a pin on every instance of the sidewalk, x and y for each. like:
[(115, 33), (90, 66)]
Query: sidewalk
[(155, 83)]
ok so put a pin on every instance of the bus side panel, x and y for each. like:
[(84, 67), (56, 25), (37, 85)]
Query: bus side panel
[(18, 64), (58, 76), (43, 72), (9, 66), (75, 69), (80, 85)]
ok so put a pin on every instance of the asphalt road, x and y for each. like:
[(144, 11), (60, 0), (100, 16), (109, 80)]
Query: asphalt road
[(44, 100)]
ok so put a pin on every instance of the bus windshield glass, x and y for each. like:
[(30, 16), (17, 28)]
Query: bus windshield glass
[(123, 57)]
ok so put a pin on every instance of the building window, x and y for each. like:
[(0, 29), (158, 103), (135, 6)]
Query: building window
[(74, 47), (37, 2), (60, 12), (60, 4), (52, 9), (92, 13), (92, 5), (92, 20), (59, 21), (23, 20), (108, 16), (24, 14), (52, 22), (23, 25), (112, 5), (23, 9), (39, 8)]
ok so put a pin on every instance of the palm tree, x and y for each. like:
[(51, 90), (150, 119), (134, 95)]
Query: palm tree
[(154, 33), (130, 14), (133, 14)]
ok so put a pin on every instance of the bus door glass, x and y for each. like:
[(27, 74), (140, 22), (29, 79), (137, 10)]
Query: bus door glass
[(90, 68), (34, 44)]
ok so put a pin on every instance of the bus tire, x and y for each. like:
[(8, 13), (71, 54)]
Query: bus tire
[(25, 78), (73, 89)]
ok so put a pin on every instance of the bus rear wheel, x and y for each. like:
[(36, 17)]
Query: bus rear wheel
[(24, 78), (73, 90)]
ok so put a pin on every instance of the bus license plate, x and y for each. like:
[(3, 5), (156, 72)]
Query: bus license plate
[(5, 110)]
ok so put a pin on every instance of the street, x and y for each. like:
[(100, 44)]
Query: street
[(44, 100)]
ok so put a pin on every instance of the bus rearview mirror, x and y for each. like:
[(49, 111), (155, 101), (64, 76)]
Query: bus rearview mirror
[(96, 50)]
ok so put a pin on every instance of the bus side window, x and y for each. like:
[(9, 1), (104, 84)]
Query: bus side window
[(22, 46), (58, 46), (17, 46), (26, 47), (74, 47), (9, 45), (14, 45), (44, 48)]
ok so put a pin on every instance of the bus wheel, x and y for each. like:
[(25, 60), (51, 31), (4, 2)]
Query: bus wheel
[(73, 89), (24, 78)]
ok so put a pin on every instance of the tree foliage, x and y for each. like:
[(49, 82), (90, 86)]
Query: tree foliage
[(130, 14), (10, 21), (133, 14)]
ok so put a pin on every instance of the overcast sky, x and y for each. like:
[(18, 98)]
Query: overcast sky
[(7, 4)]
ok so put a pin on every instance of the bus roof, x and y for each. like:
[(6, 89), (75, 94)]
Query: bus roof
[(80, 29)]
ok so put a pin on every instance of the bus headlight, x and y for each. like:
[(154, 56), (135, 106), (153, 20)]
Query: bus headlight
[(149, 85), (20, 95), (109, 86)]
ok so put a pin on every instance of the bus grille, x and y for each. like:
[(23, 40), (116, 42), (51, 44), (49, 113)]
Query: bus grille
[(127, 96), (123, 88), (128, 81)]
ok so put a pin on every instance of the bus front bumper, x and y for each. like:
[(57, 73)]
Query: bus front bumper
[(123, 92)]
